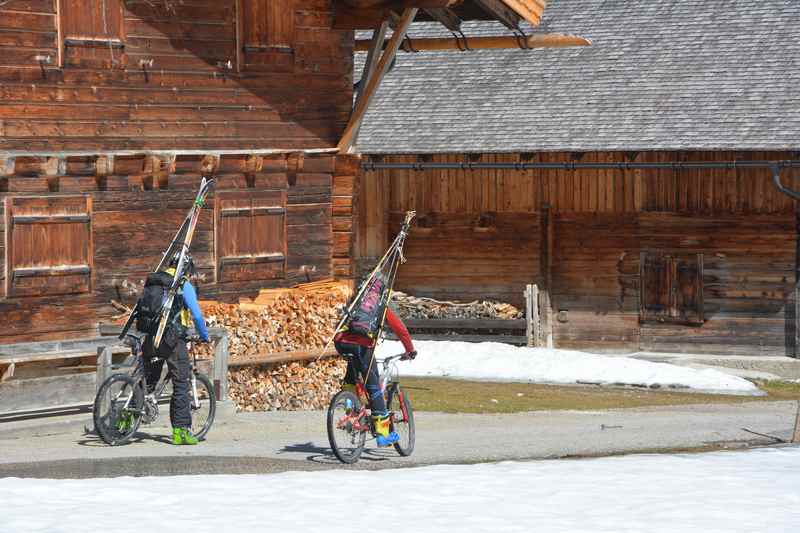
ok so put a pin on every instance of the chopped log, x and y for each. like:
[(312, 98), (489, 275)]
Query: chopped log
[(495, 42), (281, 357)]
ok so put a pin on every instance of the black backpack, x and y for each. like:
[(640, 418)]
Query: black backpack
[(151, 302)]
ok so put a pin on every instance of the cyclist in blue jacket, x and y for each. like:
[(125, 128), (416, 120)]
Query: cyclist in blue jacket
[(173, 349)]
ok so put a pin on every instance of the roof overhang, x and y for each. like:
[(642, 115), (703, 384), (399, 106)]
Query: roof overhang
[(369, 14)]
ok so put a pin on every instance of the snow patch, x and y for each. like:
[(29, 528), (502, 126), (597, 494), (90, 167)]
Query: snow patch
[(503, 362), (716, 492)]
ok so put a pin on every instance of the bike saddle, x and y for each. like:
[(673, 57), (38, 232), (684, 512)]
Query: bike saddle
[(134, 338)]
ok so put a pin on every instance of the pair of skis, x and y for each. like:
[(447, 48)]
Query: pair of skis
[(180, 244), (392, 259)]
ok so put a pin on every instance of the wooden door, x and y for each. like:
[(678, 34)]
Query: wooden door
[(671, 287)]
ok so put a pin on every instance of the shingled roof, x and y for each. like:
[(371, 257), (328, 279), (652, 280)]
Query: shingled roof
[(660, 75)]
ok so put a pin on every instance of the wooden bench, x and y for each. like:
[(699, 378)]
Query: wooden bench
[(481, 327), (27, 383)]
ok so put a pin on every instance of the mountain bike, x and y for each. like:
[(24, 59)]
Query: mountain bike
[(350, 420), (122, 403)]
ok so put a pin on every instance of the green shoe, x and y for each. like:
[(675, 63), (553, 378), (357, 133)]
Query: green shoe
[(183, 436), (125, 422)]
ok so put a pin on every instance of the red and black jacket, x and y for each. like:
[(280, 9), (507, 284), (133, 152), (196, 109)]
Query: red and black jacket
[(394, 323)]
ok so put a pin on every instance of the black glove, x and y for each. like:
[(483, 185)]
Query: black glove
[(409, 355)]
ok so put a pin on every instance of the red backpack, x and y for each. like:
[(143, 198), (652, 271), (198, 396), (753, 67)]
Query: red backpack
[(367, 317)]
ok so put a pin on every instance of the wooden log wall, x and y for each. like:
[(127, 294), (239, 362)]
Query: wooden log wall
[(601, 221), (137, 204), (172, 75)]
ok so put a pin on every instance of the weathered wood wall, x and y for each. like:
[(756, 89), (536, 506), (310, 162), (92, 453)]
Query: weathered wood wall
[(202, 74), (490, 232), (136, 205)]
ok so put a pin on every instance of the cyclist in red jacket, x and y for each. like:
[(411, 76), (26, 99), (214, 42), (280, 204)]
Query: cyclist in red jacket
[(359, 351)]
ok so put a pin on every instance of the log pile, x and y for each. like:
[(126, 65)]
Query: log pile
[(300, 319), (286, 387), (412, 307), (280, 320)]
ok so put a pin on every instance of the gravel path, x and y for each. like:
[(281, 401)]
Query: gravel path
[(280, 441)]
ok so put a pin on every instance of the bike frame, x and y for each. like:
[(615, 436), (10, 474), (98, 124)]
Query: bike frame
[(138, 374), (354, 419)]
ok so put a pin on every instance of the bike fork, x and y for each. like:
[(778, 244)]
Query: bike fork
[(195, 400)]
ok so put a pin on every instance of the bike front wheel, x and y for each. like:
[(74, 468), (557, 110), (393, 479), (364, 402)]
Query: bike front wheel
[(347, 427), (204, 405), (402, 421), (118, 408)]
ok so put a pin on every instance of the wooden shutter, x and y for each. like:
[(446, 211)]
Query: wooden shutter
[(92, 33), (251, 236), (688, 288), (49, 246), (266, 31), (671, 288)]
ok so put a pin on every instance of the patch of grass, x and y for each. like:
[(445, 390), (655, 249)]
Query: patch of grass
[(455, 396)]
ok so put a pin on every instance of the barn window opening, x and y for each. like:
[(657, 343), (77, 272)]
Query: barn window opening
[(671, 287), (49, 243), (251, 236)]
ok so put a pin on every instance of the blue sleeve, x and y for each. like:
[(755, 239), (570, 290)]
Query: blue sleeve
[(190, 300)]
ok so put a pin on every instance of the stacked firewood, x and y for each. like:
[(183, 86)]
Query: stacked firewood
[(299, 319), (286, 387), (412, 307), (280, 320)]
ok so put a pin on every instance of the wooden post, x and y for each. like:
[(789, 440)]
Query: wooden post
[(797, 321), (796, 433), (545, 305), (528, 314), (535, 317), (103, 365), (532, 315), (366, 94), (220, 370)]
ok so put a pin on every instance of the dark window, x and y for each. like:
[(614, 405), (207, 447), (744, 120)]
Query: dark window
[(672, 287), (251, 235), (49, 245), (267, 35), (92, 33)]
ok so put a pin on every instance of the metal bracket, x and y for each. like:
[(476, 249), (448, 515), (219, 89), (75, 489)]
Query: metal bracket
[(776, 178), (408, 45), (522, 39), (458, 36)]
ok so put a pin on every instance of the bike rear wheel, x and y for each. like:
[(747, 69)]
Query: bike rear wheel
[(204, 407), (118, 408), (402, 421), (346, 440)]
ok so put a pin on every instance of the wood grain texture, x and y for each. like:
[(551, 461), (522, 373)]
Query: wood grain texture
[(134, 75), (276, 207), (600, 223)]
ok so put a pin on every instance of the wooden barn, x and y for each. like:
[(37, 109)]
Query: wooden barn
[(111, 111), (572, 169)]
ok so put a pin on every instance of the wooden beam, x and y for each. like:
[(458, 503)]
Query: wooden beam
[(545, 40), (530, 10), (447, 17), (500, 11), (350, 132), (375, 47)]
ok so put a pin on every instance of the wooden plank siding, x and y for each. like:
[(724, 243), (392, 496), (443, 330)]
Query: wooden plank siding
[(735, 221), (133, 216), (172, 79)]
